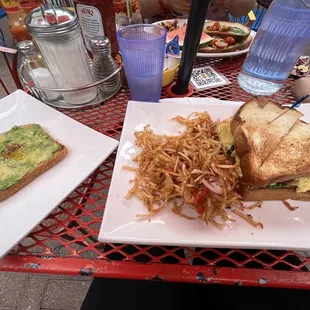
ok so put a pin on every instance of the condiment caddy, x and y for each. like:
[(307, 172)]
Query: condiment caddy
[(71, 81)]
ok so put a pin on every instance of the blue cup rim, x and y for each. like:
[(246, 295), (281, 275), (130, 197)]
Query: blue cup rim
[(138, 26)]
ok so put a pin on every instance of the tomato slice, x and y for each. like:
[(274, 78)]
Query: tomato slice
[(230, 40), (217, 25), (213, 42), (212, 28), (219, 44), (199, 209), (199, 198)]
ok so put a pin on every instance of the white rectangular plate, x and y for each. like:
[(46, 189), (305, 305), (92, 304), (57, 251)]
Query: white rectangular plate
[(20, 213), (283, 229)]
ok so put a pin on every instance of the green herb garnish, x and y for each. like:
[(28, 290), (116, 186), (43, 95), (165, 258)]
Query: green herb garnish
[(231, 151), (276, 185), (237, 30)]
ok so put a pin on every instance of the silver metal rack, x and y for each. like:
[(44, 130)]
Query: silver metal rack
[(37, 91)]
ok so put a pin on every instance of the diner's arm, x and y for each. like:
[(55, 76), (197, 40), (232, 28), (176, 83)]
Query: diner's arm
[(237, 8)]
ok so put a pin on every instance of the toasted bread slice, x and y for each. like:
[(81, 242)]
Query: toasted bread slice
[(256, 135), (238, 31), (38, 170), (264, 194), (239, 46), (290, 160)]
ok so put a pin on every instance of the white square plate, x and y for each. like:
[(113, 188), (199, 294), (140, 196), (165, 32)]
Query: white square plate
[(283, 229), (20, 213)]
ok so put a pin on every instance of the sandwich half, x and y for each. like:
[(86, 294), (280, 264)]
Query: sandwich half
[(273, 153)]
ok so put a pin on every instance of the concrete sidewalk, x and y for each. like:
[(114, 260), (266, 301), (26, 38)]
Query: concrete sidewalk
[(24, 291)]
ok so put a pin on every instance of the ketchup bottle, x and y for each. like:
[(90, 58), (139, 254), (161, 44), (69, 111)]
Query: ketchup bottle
[(97, 18)]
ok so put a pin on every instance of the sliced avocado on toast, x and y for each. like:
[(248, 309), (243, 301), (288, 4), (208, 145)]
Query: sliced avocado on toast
[(25, 153)]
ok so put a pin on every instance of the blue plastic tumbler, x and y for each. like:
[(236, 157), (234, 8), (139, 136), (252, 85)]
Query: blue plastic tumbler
[(143, 48)]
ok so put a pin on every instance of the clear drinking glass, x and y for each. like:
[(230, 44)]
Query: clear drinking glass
[(142, 48)]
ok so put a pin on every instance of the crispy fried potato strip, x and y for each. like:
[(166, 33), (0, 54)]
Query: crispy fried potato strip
[(179, 166), (289, 206)]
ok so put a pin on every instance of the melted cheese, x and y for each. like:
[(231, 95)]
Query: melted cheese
[(302, 184), (227, 140), (224, 134)]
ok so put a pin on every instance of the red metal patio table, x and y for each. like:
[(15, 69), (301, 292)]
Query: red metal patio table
[(66, 242)]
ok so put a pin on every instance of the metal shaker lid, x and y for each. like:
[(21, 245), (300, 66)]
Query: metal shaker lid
[(25, 47), (100, 44), (49, 20)]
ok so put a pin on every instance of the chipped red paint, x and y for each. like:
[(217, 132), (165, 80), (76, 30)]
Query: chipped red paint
[(129, 270), (32, 265)]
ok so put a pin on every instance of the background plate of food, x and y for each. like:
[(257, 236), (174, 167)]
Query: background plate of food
[(177, 180), (218, 40)]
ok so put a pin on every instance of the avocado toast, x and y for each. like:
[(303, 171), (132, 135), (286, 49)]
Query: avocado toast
[(226, 29), (227, 37), (26, 152)]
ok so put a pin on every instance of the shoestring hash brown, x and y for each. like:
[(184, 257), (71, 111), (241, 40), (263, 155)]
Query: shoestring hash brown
[(191, 168)]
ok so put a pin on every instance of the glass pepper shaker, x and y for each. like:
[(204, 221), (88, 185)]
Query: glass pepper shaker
[(104, 65)]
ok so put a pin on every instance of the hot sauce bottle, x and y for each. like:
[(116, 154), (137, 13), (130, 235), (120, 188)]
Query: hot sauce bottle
[(16, 17)]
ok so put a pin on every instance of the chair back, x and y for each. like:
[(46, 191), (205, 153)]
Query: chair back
[(254, 18)]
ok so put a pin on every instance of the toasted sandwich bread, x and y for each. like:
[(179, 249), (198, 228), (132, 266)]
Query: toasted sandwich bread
[(25, 153), (256, 136), (264, 194), (290, 159), (238, 46), (236, 31)]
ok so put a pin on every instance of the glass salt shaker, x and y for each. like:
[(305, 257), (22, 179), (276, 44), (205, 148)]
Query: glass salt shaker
[(57, 33), (36, 70), (104, 65)]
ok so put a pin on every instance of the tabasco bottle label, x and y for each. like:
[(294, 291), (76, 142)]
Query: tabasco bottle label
[(11, 5), (91, 22)]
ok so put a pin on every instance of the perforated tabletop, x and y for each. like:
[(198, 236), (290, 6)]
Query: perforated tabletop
[(66, 242)]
